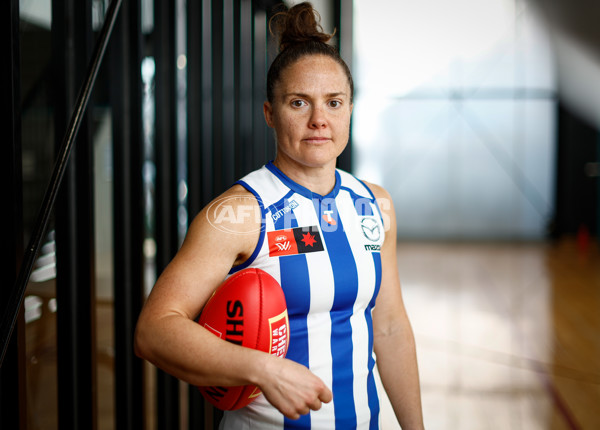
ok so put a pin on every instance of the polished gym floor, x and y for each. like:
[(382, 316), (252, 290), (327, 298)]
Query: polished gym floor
[(508, 337)]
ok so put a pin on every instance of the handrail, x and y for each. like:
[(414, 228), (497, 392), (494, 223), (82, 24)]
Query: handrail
[(18, 292)]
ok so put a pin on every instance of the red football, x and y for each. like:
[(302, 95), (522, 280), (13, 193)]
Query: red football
[(248, 309)]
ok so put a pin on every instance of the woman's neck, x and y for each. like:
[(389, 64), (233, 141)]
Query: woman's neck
[(320, 180)]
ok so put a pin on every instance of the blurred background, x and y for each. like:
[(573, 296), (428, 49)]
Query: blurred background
[(480, 118)]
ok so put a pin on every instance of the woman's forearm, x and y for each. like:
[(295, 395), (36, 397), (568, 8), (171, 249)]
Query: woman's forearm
[(184, 349), (397, 365)]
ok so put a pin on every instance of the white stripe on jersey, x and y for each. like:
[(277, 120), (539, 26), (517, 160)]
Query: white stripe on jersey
[(319, 329)]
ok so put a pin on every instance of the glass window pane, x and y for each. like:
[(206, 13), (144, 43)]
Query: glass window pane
[(454, 115)]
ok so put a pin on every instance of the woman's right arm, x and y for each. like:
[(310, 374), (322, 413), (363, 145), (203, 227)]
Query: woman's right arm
[(168, 335)]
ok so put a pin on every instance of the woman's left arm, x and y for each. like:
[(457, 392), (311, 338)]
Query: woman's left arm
[(394, 342)]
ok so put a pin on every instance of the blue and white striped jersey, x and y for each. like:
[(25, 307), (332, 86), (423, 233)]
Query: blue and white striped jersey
[(325, 253)]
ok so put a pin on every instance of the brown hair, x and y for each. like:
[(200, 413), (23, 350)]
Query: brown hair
[(300, 34)]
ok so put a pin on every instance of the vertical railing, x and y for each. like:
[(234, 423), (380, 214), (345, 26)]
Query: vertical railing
[(166, 203), (126, 93), (12, 403), (74, 222)]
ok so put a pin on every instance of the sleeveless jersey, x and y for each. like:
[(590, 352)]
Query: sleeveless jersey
[(325, 253)]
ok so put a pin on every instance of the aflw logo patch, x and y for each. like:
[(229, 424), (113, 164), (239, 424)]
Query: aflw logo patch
[(299, 240)]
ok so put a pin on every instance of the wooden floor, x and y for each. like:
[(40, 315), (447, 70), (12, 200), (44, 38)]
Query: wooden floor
[(508, 337)]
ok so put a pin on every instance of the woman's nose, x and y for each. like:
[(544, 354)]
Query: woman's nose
[(317, 118)]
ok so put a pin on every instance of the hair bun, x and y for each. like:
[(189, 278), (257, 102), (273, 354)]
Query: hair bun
[(299, 24)]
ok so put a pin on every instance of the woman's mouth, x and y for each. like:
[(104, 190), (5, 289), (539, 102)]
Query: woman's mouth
[(316, 139)]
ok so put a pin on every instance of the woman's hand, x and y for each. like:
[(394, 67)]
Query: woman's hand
[(292, 388)]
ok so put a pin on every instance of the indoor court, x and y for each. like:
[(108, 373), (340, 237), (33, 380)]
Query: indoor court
[(507, 333)]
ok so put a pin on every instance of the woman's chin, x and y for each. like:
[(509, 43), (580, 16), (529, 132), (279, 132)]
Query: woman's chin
[(315, 158)]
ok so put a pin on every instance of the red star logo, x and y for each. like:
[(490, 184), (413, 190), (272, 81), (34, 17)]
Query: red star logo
[(308, 239)]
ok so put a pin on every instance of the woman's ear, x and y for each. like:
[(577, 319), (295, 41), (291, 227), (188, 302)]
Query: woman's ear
[(268, 111)]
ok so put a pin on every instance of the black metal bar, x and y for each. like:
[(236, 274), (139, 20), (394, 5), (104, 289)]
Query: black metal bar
[(259, 94), (199, 140), (229, 120), (343, 22), (12, 386), (16, 297), (272, 49), (217, 96), (208, 171), (10, 167), (74, 226), (128, 231), (194, 111), (244, 88), (238, 160), (167, 240)]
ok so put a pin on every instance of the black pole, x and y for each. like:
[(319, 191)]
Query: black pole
[(128, 213), (166, 231), (74, 225), (12, 388), (343, 11)]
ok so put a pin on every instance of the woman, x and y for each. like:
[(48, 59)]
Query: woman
[(346, 266)]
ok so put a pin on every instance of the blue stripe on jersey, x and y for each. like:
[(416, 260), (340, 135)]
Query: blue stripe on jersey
[(261, 238), (345, 277), (294, 276), (295, 283), (371, 387)]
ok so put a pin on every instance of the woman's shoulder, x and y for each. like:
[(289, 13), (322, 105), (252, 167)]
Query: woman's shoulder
[(377, 190), (234, 214), (361, 186), (385, 203)]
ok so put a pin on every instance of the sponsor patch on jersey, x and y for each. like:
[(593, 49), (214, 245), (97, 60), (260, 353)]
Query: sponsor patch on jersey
[(292, 204), (292, 241), (370, 228), (279, 336), (372, 231), (328, 218)]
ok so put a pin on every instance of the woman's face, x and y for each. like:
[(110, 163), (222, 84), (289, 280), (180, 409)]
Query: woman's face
[(310, 112)]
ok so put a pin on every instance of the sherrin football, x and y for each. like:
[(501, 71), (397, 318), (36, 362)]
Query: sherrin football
[(248, 309)]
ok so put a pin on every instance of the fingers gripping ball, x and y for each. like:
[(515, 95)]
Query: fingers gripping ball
[(248, 309)]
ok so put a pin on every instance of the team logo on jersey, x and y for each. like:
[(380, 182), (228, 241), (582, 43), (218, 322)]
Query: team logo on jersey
[(291, 241)]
